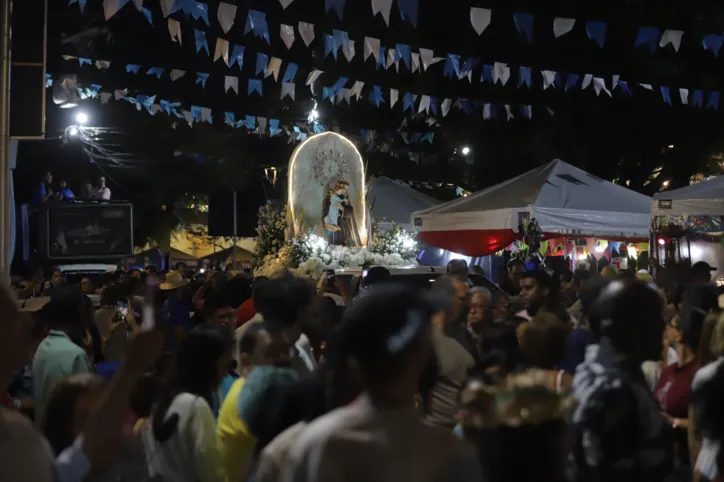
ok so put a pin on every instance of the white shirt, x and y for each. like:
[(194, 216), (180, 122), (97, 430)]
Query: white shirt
[(101, 193), (192, 453)]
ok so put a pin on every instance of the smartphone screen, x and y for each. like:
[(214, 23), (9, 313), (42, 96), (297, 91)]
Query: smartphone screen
[(148, 315), (121, 310)]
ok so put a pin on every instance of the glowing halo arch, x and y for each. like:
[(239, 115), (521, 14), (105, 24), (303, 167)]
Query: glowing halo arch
[(303, 158)]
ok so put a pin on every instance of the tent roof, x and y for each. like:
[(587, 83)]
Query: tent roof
[(557, 185), (395, 201), (224, 254), (703, 198)]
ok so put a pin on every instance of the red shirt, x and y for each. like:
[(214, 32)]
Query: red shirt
[(672, 393), (245, 312)]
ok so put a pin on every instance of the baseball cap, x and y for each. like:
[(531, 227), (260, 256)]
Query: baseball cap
[(702, 266), (388, 320)]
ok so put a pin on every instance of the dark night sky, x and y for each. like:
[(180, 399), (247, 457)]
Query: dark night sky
[(609, 137)]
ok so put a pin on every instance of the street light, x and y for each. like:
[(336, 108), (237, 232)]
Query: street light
[(81, 118), (73, 131), (466, 151)]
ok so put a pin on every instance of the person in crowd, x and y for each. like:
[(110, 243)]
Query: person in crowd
[(568, 292), (521, 415), (540, 291), (257, 348), (515, 270), (380, 435), (477, 270), (238, 290), (180, 437), (174, 312), (480, 310), (102, 192), (21, 387), (455, 317), (86, 286), (61, 354), (285, 303), (64, 193), (215, 283), (619, 433), (218, 311), (454, 359), (151, 270), (114, 325), (500, 306), (375, 276), (43, 192), (543, 343), (181, 267), (57, 278), (579, 281), (707, 398), (458, 268), (24, 453), (701, 272), (87, 190), (333, 288), (247, 310)]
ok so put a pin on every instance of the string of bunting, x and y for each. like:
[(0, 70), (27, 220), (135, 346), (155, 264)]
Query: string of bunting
[(493, 73), (258, 125), (480, 18)]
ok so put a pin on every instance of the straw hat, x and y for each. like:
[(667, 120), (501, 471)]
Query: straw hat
[(174, 281)]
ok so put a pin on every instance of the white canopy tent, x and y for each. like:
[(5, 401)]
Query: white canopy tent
[(395, 202), (563, 199), (705, 198)]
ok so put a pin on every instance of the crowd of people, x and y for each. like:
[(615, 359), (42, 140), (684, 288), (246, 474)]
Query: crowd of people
[(44, 193), (576, 376)]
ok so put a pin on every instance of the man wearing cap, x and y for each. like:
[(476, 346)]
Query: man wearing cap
[(174, 312), (701, 272), (379, 436)]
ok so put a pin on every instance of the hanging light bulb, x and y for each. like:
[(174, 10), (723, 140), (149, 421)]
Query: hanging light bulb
[(313, 114)]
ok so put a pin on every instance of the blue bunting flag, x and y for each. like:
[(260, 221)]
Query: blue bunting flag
[(408, 102), (339, 85), (452, 66), (597, 32), (146, 12), (336, 5), (201, 42), (196, 113), (132, 68), (624, 86), (713, 100), (329, 46), (666, 95), (328, 93), (274, 127), (237, 55), (201, 11), (290, 73), (409, 10), (648, 36), (262, 60), (524, 76), (572, 81), (433, 104), (255, 85), (157, 71), (82, 60), (524, 24), (487, 74), (201, 78), (697, 99), (713, 42), (428, 137), (375, 96), (381, 60), (256, 22), (404, 52)]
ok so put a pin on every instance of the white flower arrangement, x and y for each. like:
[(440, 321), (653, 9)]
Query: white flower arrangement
[(309, 256)]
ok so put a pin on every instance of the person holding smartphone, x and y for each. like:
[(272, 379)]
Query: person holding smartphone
[(115, 320)]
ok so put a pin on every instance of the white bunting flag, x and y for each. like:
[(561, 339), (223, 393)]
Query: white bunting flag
[(615, 82), (404, 137), (551, 112), (415, 61), (383, 7), (110, 7), (672, 37), (587, 79), (261, 125), (103, 64), (600, 85), (343, 94), (166, 7), (231, 82), (394, 96), (348, 50), (286, 32), (120, 93), (226, 14), (445, 107), (222, 50), (205, 114), (647, 87), (356, 89), (562, 26), (424, 104), (177, 74), (138, 3), (287, 90), (306, 31), (509, 112), (390, 58), (480, 19), (684, 94), (501, 72), (549, 78), (426, 56), (105, 97), (275, 64), (371, 47), (174, 29), (313, 75), (285, 3)]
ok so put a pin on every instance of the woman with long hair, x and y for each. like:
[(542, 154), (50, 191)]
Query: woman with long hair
[(180, 437)]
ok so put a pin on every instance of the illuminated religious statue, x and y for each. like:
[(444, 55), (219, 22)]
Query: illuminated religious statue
[(326, 190)]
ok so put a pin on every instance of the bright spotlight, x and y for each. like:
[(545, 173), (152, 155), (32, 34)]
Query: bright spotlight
[(73, 131), (671, 146), (313, 115), (599, 248), (466, 151), (632, 251), (81, 118), (662, 241)]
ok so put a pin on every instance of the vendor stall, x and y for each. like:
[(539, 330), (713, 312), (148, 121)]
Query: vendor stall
[(559, 199), (393, 201)]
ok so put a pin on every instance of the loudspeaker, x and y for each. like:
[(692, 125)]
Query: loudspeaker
[(28, 25)]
